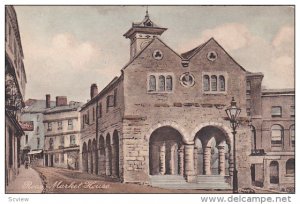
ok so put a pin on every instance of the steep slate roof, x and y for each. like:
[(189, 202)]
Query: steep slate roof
[(36, 106), (189, 54), (72, 106)]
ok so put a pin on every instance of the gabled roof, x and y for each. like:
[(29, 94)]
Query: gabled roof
[(190, 54), (72, 106), (138, 54)]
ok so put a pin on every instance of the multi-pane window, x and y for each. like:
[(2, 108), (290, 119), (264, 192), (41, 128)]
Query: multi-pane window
[(49, 126), (62, 140), (94, 114), (290, 167), (276, 135), (37, 143), (100, 110), (214, 83), (160, 83), (59, 125), (51, 143), (206, 83), (221, 83), (152, 83), (276, 111), (70, 124), (292, 134), (169, 83), (248, 86), (72, 140)]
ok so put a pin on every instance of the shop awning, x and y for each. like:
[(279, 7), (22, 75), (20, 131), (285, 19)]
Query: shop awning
[(35, 151)]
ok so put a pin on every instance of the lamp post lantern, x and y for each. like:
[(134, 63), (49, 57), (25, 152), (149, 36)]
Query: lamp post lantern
[(233, 113)]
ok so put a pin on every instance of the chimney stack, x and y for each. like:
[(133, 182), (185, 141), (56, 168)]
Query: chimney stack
[(94, 90), (61, 101), (47, 100)]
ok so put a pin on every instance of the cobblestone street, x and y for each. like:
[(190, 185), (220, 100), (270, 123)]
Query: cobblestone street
[(67, 181)]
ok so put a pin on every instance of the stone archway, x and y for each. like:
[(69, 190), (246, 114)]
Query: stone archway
[(95, 157), (101, 163), (164, 155), (84, 158), (211, 152), (90, 157), (108, 152)]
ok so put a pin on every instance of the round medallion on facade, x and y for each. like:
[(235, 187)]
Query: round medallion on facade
[(187, 80), (212, 56), (157, 54)]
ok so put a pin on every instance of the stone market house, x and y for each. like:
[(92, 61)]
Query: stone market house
[(163, 121), (62, 127)]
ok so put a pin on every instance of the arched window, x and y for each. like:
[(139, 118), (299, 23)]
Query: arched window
[(152, 83), (276, 135), (161, 84), (292, 134), (290, 166), (206, 83), (214, 83), (221, 83), (274, 172), (169, 83)]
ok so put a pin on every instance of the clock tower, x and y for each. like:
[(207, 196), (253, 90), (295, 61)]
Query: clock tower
[(140, 34)]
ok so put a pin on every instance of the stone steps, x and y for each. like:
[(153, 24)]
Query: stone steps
[(215, 182)]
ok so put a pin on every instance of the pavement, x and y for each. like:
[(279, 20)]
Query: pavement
[(28, 181)]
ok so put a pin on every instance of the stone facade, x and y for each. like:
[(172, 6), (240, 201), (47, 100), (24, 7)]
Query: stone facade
[(62, 127), (15, 82), (165, 115)]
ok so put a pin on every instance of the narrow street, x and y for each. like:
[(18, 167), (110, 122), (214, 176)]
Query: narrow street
[(67, 181)]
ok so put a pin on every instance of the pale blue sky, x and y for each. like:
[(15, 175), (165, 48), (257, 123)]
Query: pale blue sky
[(67, 48)]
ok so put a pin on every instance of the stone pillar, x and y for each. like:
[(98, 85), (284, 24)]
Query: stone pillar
[(266, 173), (102, 163), (222, 160), (181, 160), (113, 160), (196, 160), (95, 159), (206, 160), (99, 161), (172, 159), (88, 162), (107, 161), (162, 159), (189, 162)]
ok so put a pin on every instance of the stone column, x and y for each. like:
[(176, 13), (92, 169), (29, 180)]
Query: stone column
[(207, 160), (266, 173), (102, 162), (107, 161), (88, 162), (222, 160), (172, 159), (113, 160), (162, 159), (189, 161), (181, 160), (95, 159), (196, 160), (99, 161)]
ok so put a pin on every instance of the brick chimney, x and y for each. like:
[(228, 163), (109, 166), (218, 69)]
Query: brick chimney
[(61, 101), (94, 90), (47, 100)]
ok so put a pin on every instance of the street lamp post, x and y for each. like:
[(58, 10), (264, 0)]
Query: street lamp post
[(233, 113)]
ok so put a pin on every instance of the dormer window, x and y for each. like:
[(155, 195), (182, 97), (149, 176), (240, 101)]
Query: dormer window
[(148, 24)]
